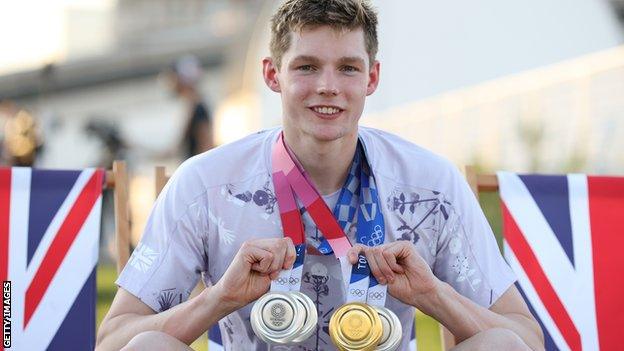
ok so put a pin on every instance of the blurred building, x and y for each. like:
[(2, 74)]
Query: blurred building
[(108, 66), (99, 75)]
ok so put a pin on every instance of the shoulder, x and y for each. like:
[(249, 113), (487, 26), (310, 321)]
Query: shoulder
[(404, 162)]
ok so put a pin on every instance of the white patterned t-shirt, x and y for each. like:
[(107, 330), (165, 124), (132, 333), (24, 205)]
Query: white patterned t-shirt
[(219, 199)]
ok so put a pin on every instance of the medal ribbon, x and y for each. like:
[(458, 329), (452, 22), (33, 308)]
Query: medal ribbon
[(289, 177), (288, 279)]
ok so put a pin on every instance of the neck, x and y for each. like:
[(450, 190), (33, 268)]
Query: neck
[(326, 162)]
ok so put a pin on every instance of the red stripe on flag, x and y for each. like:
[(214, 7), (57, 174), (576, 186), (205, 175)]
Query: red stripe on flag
[(606, 211), (5, 214), (61, 243), (538, 278)]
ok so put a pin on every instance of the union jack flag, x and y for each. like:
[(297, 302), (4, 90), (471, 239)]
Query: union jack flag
[(49, 231), (564, 238)]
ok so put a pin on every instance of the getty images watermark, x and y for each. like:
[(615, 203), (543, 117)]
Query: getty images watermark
[(6, 314)]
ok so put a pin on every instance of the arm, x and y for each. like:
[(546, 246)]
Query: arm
[(465, 318), (246, 279), (128, 316), (410, 280)]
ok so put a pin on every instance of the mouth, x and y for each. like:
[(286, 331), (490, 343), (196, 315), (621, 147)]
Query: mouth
[(326, 112)]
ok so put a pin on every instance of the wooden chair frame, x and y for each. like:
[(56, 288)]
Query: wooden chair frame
[(480, 182), (161, 179), (117, 179)]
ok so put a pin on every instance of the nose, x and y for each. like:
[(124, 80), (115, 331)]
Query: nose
[(328, 84)]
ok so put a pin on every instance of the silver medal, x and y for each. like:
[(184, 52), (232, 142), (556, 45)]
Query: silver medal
[(392, 330), (308, 308), (276, 317), (284, 317)]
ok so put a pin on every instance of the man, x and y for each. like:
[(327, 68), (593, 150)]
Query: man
[(218, 215), (184, 76)]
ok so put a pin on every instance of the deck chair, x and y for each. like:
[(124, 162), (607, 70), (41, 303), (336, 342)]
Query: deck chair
[(49, 238), (562, 237)]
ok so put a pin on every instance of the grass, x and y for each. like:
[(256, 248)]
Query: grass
[(427, 332)]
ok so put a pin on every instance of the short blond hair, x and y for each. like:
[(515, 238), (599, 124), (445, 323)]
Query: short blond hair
[(294, 15)]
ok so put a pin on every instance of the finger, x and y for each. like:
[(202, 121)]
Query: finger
[(258, 259), (275, 247), (279, 253), (405, 254), (291, 254), (374, 267), (384, 267), (354, 251), (392, 261)]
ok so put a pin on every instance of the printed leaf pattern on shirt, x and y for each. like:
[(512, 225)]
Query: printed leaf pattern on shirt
[(417, 212), (461, 264), (226, 236), (420, 215), (263, 197), (167, 299), (316, 280)]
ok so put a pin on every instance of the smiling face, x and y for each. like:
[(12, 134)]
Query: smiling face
[(324, 79)]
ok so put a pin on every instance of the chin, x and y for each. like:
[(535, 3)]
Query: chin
[(326, 134)]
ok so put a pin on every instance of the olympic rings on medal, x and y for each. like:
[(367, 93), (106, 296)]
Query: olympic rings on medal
[(282, 281)]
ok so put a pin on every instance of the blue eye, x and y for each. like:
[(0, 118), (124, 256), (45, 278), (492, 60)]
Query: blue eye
[(305, 68), (350, 69)]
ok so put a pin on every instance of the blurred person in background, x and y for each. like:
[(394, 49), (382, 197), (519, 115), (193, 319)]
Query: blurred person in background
[(184, 76), (108, 133), (21, 139)]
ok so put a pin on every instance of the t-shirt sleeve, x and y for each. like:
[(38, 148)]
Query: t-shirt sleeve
[(168, 261), (468, 257)]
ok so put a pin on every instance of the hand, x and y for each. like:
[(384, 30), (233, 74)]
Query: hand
[(399, 265), (249, 275)]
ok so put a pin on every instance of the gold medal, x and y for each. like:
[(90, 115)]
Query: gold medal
[(355, 326)]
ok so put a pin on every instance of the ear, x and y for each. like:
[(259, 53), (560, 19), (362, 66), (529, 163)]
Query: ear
[(270, 73), (373, 78)]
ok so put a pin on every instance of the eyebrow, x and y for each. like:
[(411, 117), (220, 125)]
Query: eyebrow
[(306, 58), (342, 60), (352, 60)]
